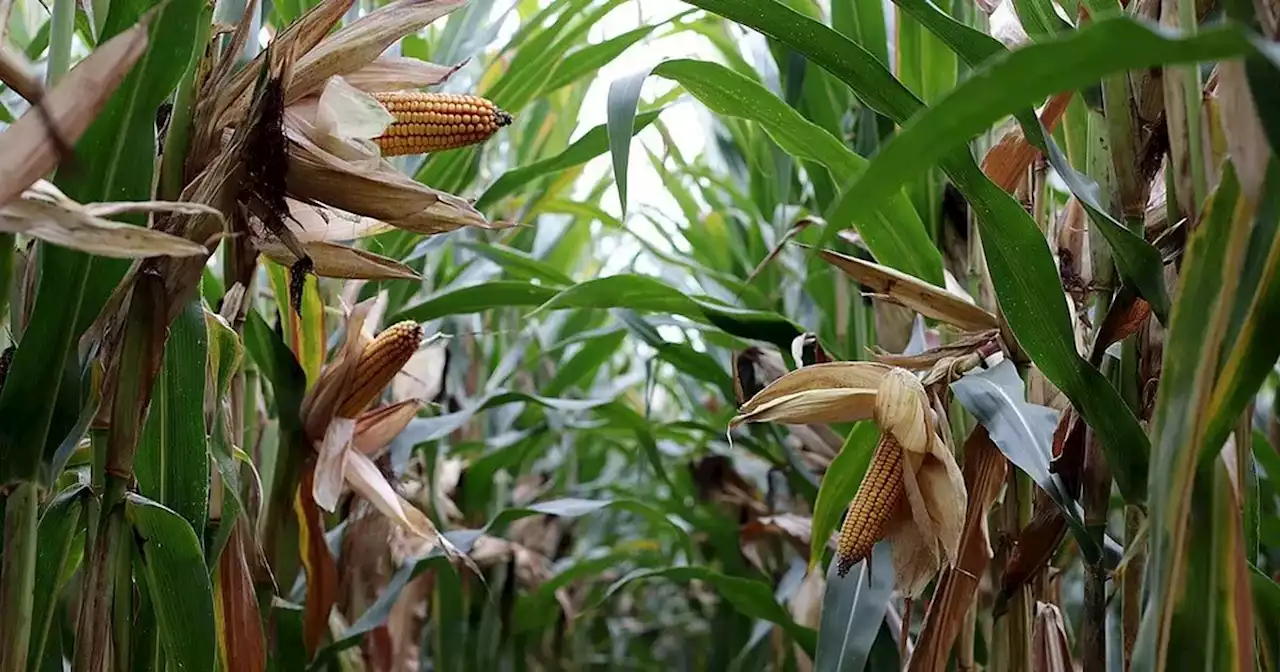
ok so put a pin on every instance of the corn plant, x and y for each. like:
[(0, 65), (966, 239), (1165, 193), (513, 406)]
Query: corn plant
[(851, 335)]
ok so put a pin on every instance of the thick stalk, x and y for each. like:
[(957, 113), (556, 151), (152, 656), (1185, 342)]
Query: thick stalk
[(18, 577), (1131, 584), (1096, 495), (134, 374)]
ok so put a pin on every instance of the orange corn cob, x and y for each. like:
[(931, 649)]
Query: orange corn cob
[(381, 360), (878, 495), (434, 122)]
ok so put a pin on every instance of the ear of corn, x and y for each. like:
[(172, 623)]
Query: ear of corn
[(873, 506), (433, 122), (381, 360)]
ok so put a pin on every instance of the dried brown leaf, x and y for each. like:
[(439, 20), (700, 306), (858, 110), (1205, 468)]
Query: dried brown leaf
[(27, 150), (321, 571), (46, 213), (330, 260), (1050, 649), (240, 623), (1007, 163), (359, 43), (1034, 547), (833, 392), (914, 293)]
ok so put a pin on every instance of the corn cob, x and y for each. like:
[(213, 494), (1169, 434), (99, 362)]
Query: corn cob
[(872, 507), (434, 122), (381, 360)]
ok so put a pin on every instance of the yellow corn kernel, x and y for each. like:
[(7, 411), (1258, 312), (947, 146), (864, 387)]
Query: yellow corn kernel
[(381, 360), (434, 122), (873, 506)]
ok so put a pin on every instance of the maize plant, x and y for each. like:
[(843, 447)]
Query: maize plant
[(887, 336)]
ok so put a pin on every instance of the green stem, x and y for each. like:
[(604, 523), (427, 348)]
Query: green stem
[(122, 605), (1193, 98), (7, 241), (62, 29), (18, 577), (178, 138)]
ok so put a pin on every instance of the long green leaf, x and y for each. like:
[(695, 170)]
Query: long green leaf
[(56, 558), (593, 143), (172, 465), (1020, 79), (1138, 262), (895, 234), (177, 582), (1178, 625)]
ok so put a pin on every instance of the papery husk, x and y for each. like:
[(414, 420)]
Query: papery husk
[(361, 42), (918, 295), (933, 484), (330, 260), (315, 222), (46, 213), (831, 392), (377, 427), (380, 192), (396, 73)]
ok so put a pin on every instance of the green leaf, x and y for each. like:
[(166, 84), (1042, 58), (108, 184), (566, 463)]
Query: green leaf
[(1139, 263), (584, 362), (700, 365), (839, 485), (1024, 433), (1023, 78), (56, 559), (1179, 626), (624, 98), (587, 60), (518, 263), (1250, 348), (1039, 19), (177, 582), (895, 234), (1266, 600), (752, 598), (172, 464), (477, 298), (593, 143), (642, 293), (114, 162), (853, 609)]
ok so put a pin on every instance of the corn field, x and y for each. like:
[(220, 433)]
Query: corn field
[(798, 335)]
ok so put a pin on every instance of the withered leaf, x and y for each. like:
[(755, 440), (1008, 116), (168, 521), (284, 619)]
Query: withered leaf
[(920, 296)]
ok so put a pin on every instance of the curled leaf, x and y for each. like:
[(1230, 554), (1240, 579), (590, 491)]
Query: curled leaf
[(330, 260), (916, 294), (46, 213), (832, 392)]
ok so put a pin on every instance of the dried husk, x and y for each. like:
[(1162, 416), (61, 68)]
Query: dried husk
[(920, 296), (27, 149)]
